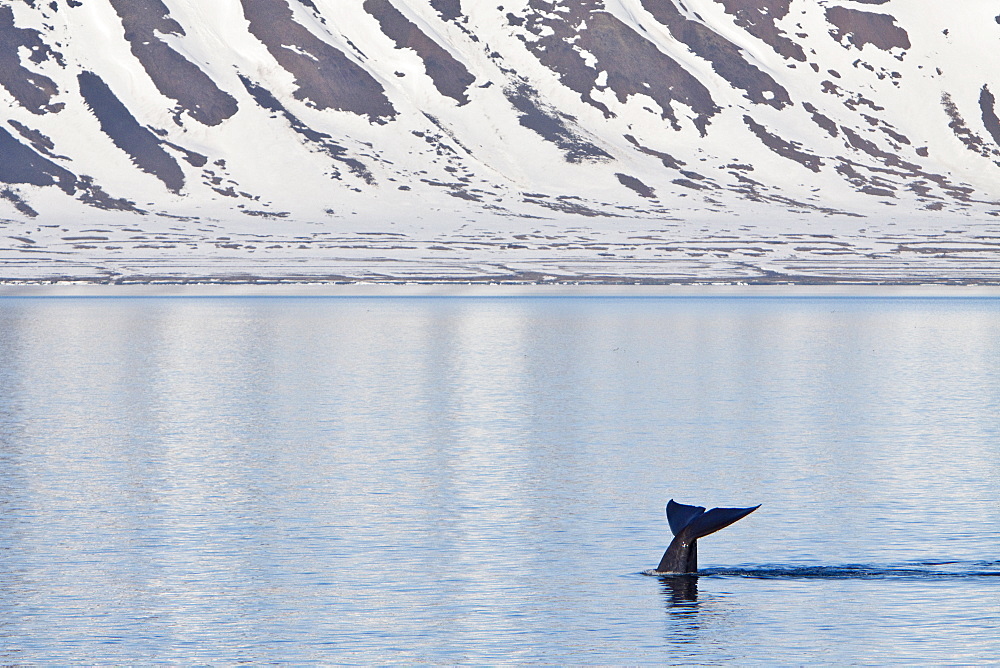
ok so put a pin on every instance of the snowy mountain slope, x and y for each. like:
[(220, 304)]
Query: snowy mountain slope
[(291, 118)]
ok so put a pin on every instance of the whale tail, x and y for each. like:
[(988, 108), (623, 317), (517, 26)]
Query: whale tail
[(688, 524), (699, 522)]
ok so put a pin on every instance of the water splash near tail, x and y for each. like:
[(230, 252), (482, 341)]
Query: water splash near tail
[(909, 570)]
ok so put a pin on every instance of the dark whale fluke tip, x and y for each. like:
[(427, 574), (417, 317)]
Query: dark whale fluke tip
[(688, 524)]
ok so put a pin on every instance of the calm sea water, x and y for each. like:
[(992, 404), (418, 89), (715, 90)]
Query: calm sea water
[(483, 480)]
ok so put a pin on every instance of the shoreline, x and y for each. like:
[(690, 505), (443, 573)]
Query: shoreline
[(473, 289)]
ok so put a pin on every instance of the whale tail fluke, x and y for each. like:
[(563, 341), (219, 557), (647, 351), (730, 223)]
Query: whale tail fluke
[(716, 519), (680, 515), (688, 524)]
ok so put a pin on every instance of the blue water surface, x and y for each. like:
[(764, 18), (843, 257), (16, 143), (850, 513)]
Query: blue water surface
[(482, 480)]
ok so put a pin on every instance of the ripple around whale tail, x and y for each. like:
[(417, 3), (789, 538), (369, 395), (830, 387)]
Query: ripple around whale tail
[(910, 570)]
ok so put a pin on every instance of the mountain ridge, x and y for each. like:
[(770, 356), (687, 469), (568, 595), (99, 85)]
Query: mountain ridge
[(771, 116)]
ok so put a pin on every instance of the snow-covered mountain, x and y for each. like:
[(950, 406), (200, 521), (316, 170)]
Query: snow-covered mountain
[(389, 116)]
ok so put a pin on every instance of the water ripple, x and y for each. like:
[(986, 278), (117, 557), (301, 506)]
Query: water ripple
[(914, 570)]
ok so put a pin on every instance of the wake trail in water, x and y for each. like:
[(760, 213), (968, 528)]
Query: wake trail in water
[(912, 570)]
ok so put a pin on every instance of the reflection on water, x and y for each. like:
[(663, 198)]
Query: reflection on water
[(481, 480), (687, 624), (681, 590)]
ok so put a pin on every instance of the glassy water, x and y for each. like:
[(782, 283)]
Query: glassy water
[(483, 480)]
